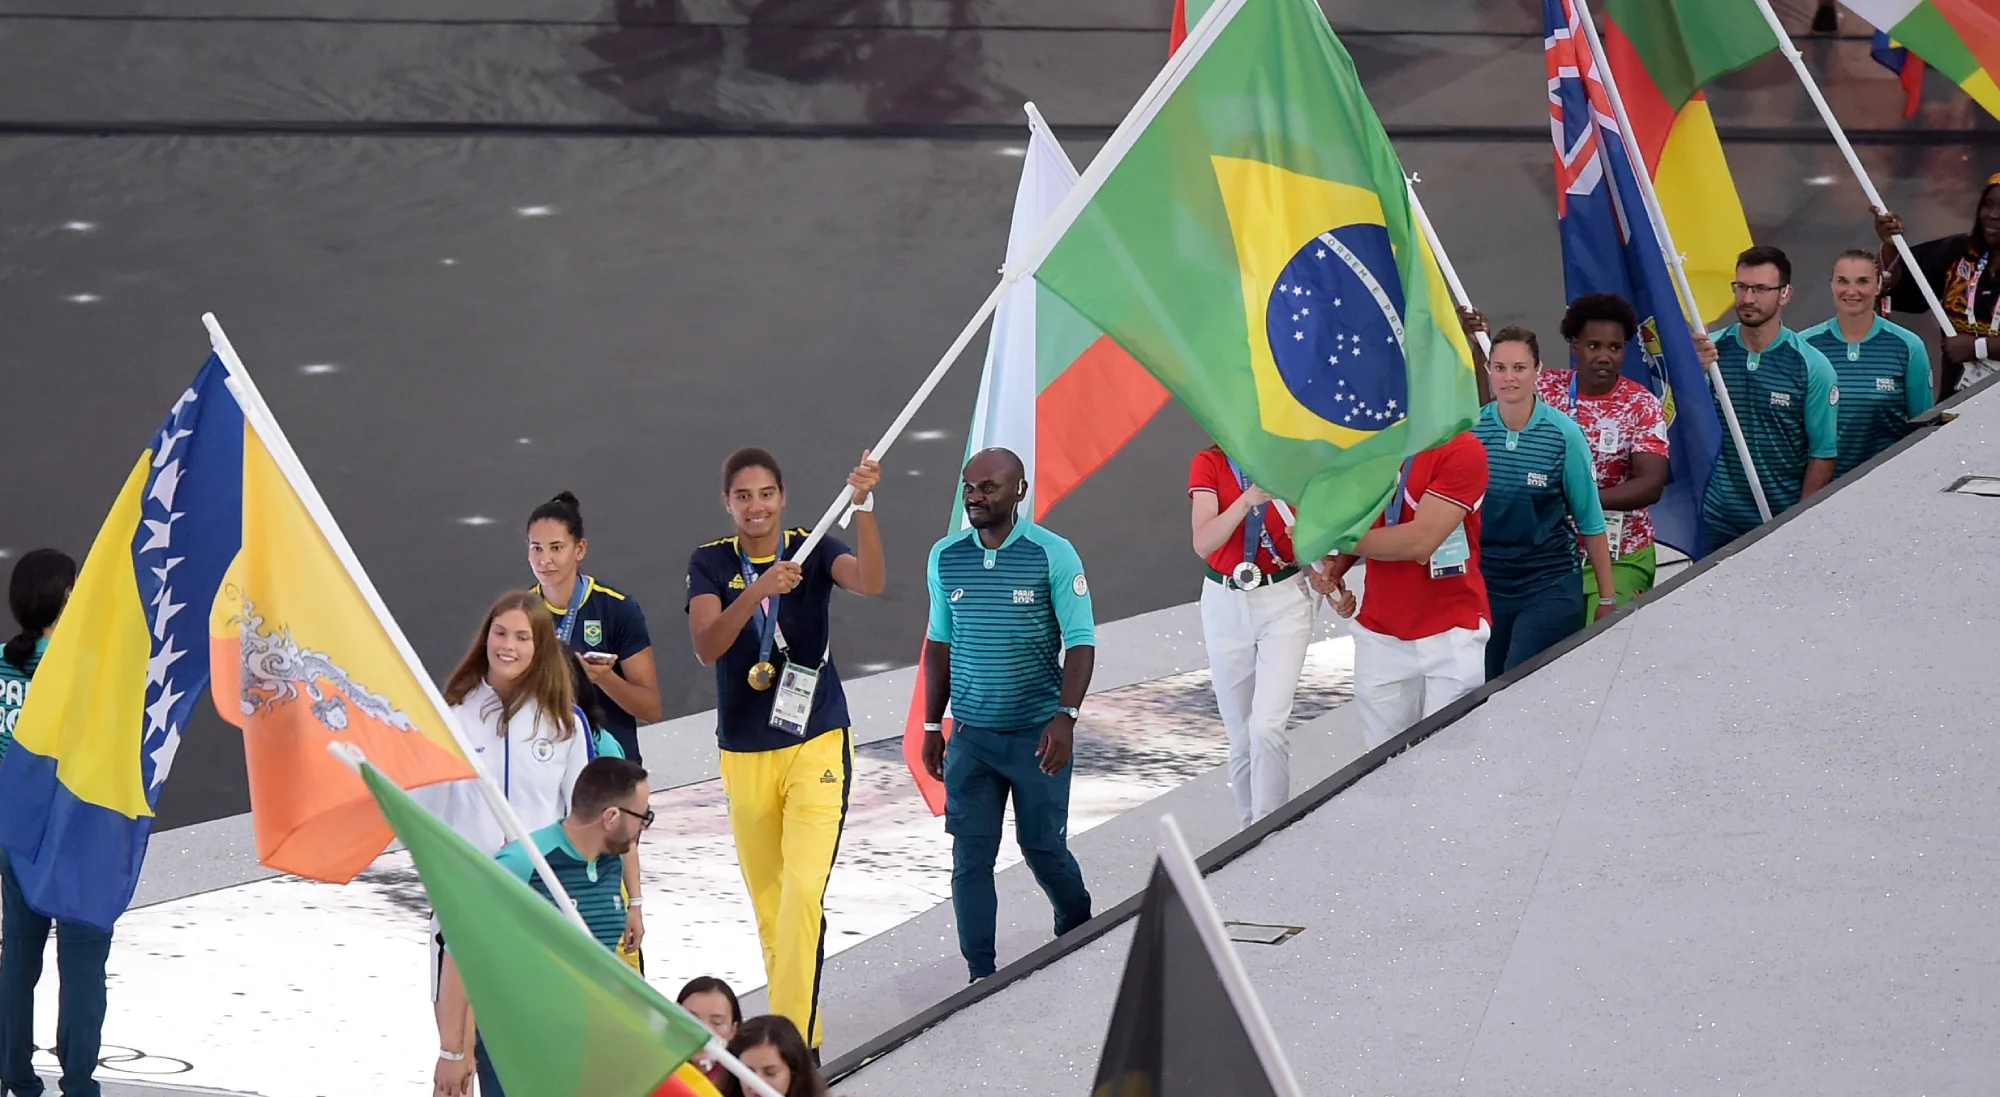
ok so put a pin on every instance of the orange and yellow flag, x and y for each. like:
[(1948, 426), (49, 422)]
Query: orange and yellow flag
[(300, 660)]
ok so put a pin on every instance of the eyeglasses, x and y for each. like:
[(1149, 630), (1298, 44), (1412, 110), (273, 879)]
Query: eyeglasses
[(1740, 288), (645, 820)]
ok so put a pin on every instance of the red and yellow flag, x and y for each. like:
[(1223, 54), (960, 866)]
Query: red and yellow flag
[(1660, 56)]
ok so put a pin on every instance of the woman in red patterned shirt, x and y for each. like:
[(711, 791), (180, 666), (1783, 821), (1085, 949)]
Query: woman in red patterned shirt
[(1626, 427)]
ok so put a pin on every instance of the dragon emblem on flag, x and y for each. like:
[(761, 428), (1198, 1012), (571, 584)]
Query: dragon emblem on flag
[(277, 670)]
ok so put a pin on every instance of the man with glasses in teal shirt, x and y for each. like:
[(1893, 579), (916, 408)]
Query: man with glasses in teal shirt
[(1785, 393)]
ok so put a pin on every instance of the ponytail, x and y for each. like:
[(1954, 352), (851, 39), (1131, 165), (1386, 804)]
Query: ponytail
[(36, 594)]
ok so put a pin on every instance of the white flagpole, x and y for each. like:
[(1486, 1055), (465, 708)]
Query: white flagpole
[(1186, 875), (353, 758), (1122, 139), (1443, 260), (261, 419), (1791, 52), (1673, 256)]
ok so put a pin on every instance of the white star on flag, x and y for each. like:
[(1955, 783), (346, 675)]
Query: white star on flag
[(156, 713), (163, 756), (165, 613), (166, 483), (1298, 335), (159, 534), (156, 667)]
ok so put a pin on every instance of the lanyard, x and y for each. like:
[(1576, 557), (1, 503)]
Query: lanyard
[(1254, 530), (1572, 392), (578, 595), (767, 611), (1972, 293), (1394, 515)]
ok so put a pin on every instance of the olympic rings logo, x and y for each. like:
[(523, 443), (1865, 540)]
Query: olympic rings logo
[(132, 1061)]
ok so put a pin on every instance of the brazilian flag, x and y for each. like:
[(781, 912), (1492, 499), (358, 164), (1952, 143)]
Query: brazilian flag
[(1254, 249)]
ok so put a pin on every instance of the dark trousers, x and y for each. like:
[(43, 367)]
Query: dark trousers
[(1531, 624), (981, 769), (81, 952), (489, 1080)]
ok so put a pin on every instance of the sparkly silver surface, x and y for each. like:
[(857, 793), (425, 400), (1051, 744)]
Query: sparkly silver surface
[(1738, 843), (289, 988)]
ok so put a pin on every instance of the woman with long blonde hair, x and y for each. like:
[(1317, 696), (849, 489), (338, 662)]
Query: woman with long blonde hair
[(515, 703)]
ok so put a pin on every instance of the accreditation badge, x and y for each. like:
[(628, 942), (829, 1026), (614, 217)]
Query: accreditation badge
[(792, 705), (1451, 557), (1614, 532)]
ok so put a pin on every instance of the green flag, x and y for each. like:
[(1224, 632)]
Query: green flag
[(560, 1014), (1253, 248)]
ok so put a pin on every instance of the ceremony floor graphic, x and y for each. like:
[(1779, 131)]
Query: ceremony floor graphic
[(289, 988)]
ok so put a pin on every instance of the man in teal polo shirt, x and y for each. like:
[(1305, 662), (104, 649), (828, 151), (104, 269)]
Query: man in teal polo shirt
[(1011, 645), (1784, 392), (1884, 370), (608, 812)]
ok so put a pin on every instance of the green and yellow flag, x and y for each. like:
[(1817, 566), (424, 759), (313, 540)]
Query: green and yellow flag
[(559, 1013), (1254, 249)]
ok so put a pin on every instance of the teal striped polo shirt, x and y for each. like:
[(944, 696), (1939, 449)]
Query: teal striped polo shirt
[(1885, 381), (592, 885), (1785, 397), (1541, 492), (1008, 614), (14, 692)]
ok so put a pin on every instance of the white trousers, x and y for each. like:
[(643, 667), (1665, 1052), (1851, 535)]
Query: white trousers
[(1256, 647), (1399, 682)]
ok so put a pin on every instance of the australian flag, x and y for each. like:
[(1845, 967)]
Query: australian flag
[(1609, 247)]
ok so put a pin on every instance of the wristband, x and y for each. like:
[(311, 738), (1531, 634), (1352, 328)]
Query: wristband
[(451, 1056), (634, 903), (1611, 601), (1979, 348), (930, 727), (865, 508)]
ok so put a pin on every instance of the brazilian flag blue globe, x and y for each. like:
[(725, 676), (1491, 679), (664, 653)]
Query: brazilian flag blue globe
[(1256, 252)]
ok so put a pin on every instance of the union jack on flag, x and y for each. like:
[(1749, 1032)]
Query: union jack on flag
[(1609, 246)]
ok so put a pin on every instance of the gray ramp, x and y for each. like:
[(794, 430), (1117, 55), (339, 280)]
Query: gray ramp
[(1738, 842)]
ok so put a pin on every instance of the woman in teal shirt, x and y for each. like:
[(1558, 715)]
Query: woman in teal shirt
[(1541, 495)]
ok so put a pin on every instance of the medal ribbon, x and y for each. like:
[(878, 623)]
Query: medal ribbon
[(578, 595), (1394, 515), (1254, 531), (767, 610)]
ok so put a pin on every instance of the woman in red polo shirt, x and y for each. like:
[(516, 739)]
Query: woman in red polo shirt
[(1257, 618)]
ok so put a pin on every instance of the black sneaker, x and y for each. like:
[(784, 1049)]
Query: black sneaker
[(1827, 19)]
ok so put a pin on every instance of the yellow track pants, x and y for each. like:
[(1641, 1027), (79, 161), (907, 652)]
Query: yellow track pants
[(786, 808)]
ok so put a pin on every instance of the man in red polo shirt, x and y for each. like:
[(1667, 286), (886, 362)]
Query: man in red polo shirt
[(1257, 618), (1420, 643)]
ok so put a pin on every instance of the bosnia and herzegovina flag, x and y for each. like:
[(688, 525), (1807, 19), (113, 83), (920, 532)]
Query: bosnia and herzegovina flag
[(1609, 247), (1254, 250), (205, 531), (125, 667), (1959, 38), (1661, 54)]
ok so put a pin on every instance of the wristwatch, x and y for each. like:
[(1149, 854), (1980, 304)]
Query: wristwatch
[(1070, 711)]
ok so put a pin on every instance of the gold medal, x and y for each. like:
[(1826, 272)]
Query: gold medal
[(762, 675)]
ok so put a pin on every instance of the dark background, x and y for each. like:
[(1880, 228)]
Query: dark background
[(766, 220)]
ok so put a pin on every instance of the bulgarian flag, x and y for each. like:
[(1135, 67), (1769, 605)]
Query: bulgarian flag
[(1660, 55), (1056, 390), (1959, 38), (559, 1013)]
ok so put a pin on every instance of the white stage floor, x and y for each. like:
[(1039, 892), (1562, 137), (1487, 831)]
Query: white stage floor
[(289, 988)]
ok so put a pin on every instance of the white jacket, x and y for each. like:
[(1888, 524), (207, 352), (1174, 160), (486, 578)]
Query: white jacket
[(537, 771)]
